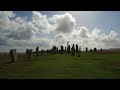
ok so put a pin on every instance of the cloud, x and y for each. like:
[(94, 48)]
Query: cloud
[(60, 39), (5, 19), (44, 31), (42, 22), (3, 39), (22, 30), (93, 38), (83, 32), (64, 23)]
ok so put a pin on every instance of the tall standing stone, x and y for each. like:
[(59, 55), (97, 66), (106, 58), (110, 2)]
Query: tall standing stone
[(86, 49), (90, 50), (73, 50), (67, 46), (62, 50), (27, 53), (76, 48), (57, 50), (47, 51), (69, 49), (30, 54), (42, 51), (65, 50), (37, 51), (13, 55), (79, 51), (101, 49), (95, 49)]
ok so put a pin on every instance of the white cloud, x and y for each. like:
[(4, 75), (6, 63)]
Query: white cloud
[(60, 39), (83, 32), (21, 29), (20, 33), (42, 22), (64, 23), (5, 19)]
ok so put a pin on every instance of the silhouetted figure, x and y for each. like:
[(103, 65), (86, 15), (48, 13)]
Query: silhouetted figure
[(95, 49), (101, 49), (76, 48), (86, 49)]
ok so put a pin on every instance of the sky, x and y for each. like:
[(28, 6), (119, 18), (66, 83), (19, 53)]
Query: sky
[(30, 29)]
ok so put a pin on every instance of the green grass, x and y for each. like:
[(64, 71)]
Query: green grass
[(88, 66)]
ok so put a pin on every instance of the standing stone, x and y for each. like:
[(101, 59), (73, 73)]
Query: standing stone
[(90, 50), (79, 51), (42, 51), (101, 49), (13, 55), (95, 49), (73, 50), (47, 51), (69, 49), (54, 49), (37, 51), (86, 49), (30, 53), (65, 50), (57, 50), (50, 51), (76, 48), (27, 53), (62, 50)]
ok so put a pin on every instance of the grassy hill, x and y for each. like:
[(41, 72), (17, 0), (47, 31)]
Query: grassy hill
[(104, 65)]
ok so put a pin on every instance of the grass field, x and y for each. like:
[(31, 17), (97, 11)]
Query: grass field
[(104, 65)]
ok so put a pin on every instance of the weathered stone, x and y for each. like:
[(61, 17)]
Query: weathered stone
[(47, 51), (101, 50), (37, 51), (86, 49), (30, 53), (13, 55), (27, 53), (42, 51), (65, 50), (90, 50), (69, 49), (76, 48), (62, 50), (95, 49), (79, 51), (57, 50), (73, 50)]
